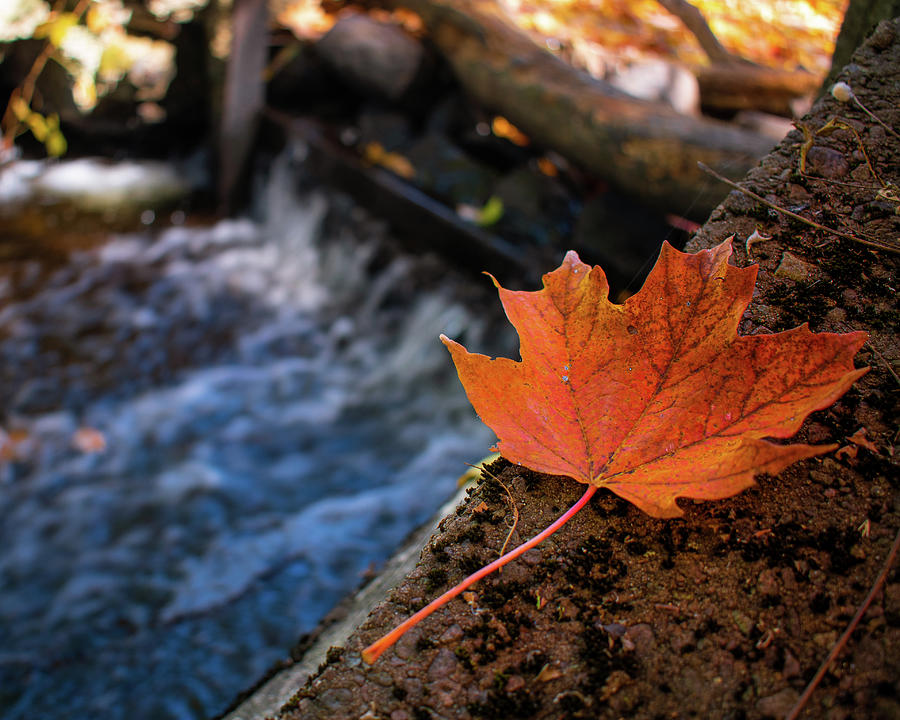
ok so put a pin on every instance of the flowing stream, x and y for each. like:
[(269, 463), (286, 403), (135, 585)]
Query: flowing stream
[(213, 432)]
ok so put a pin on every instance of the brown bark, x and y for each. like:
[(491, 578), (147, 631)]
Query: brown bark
[(695, 22), (732, 87)]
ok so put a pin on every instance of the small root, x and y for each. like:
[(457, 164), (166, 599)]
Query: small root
[(512, 505)]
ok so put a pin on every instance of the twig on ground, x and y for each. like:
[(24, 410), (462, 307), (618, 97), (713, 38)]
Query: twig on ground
[(870, 243), (512, 504), (830, 181), (883, 359), (839, 645)]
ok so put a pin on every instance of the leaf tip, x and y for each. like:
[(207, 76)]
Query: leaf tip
[(573, 263), (449, 343)]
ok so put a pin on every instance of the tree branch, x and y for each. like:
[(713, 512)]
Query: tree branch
[(696, 23)]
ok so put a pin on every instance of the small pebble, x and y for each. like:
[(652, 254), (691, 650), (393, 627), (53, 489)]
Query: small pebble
[(883, 37), (826, 162), (451, 635), (791, 666), (793, 268), (444, 663), (515, 683), (779, 704), (767, 584)]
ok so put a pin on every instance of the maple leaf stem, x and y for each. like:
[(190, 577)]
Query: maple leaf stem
[(372, 653)]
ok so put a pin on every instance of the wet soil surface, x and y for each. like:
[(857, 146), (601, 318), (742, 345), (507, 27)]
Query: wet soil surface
[(726, 612)]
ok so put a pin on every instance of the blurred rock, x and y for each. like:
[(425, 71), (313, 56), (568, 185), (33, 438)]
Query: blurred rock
[(445, 171), (537, 209), (659, 81), (622, 235), (826, 162), (773, 126), (373, 57)]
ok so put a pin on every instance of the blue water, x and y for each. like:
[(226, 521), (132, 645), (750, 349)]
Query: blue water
[(277, 413)]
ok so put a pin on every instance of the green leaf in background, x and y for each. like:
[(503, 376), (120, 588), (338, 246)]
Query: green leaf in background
[(491, 213)]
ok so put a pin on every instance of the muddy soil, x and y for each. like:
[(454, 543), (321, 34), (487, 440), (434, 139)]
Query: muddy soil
[(729, 611)]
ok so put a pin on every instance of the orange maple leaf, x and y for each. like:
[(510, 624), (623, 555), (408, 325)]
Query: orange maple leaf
[(659, 397), (654, 399)]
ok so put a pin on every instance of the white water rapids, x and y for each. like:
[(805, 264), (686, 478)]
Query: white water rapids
[(278, 414)]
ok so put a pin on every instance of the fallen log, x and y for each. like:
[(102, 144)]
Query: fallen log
[(731, 87), (407, 208), (645, 149)]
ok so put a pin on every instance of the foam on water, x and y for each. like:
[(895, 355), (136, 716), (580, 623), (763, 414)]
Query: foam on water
[(96, 184), (277, 419)]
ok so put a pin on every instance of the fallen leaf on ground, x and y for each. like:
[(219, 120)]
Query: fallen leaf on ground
[(657, 398), (12, 444), (653, 399), (375, 154)]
